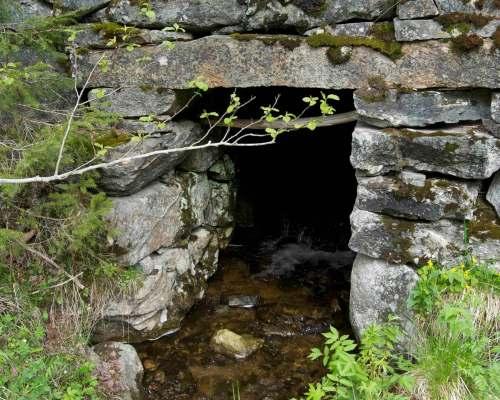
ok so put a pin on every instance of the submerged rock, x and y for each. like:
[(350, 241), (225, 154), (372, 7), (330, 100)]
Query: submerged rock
[(243, 301), (119, 369), (233, 345), (380, 289)]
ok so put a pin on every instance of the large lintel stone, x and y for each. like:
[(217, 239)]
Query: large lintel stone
[(224, 61), (463, 151)]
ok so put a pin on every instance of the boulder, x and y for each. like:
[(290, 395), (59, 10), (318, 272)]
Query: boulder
[(380, 289), (493, 195), (402, 241), (233, 345), (134, 101), (119, 369), (466, 151), (171, 281), (267, 60), (398, 108), (436, 199), (413, 9), (131, 176)]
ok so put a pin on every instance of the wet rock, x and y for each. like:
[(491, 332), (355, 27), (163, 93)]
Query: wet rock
[(413, 9), (255, 63), (131, 176), (495, 107), (493, 195), (464, 151), (24, 10), (398, 109), (134, 101), (488, 7), (428, 29), (223, 170), (233, 345), (401, 241), (82, 6), (436, 199), (172, 280), (119, 369), (243, 301), (380, 289), (200, 160)]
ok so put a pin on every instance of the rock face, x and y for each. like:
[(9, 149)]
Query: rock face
[(85, 6), (119, 368), (463, 151), (233, 345), (255, 63), (134, 101), (24, 10), (493, 195), (398, 109), (380, 289), (413, 9), (130, 176)]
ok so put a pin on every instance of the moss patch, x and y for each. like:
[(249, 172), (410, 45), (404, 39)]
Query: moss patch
[(383, 31), (114, 138), (392, 49), (465, 43), (375, 91), (449, 21), (339, 55), (109, 30), (485, 225), (287, 41)]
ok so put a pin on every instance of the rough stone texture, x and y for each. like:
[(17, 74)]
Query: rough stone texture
[(449, 6), (223, 170), (380, 289), (495, 107), (428, 29), (119, 365), (401, 241), (200, 160), (437, 199), (254, 63), (23, 10), (134, 101), (463, 151), (493, 195), (413, 9), (233, 345), (131, 176), (79, 5), (173, 280), (492, 127), (400, 109)]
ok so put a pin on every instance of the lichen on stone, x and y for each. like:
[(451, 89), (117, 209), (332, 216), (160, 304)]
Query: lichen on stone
[(485, 225), (376, 89), (465, 43), (289, 42)]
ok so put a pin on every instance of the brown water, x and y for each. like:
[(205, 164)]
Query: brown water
[(290, 317)]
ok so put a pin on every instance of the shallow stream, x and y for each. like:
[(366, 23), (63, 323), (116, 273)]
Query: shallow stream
[(295, 293)]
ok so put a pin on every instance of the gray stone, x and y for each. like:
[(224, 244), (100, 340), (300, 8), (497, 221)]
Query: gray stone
[(428, 29), (130, 176), (254, 64), (360, 29), (450, 6), (203, 15), (462, 151), (437, 199), (200, 160), (493, 195), (413, 178), (173, 279), (223, 170), (134, 101), (424, 108), (233, 345), (413, 9), (243, 301), (219, 211), (405, 242), (492, 127), (380, 289), (24, 10), (495, 107), (119, 368), (83, 6)]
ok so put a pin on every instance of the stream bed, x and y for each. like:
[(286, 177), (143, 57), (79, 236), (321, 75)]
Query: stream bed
[(287, 297)]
